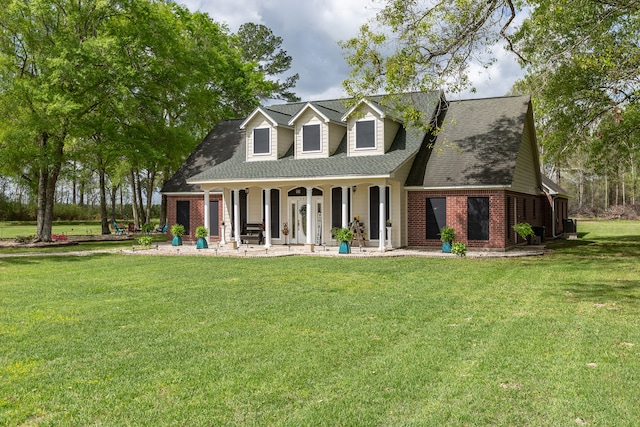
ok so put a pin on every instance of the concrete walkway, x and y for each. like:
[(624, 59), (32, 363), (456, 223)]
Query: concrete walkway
[(258, 251)]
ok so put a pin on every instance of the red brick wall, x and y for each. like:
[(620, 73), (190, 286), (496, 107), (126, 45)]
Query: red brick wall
[(457, 216), (196, 213)]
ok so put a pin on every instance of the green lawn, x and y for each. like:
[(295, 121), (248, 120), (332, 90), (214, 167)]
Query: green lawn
[(133, 340)]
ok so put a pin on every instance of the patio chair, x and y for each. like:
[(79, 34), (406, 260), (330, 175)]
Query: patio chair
[(118, 229), (163, 229)]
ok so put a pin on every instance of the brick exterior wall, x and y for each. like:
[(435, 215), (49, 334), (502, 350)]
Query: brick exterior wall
[(526, 208), (196, 214)]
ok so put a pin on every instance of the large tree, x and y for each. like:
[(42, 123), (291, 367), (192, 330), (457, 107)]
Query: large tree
[(52, 57), (108, 81), (426, 44)]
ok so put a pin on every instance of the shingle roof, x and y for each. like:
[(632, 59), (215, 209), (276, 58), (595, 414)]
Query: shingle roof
[(217, 147), (405, 145), (477, 146)]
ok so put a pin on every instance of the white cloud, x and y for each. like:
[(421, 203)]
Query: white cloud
[(311, 30)]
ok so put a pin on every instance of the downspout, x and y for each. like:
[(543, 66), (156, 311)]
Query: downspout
[(553, 217)]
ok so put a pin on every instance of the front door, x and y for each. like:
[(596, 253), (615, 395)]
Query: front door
[(298, 220)]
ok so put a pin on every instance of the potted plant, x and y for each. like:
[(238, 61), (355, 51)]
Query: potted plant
[(524, 230), (447, 236), (177, 230), (201, 234), (344, 236)]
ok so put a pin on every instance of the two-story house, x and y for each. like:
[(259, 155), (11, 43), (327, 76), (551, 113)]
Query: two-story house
[(300, 169)]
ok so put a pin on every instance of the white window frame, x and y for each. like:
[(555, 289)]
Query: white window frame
[(302, 138), (375, 135), (253, 138)]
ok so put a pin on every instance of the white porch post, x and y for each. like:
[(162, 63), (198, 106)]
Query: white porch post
[(345, 206), (382, 222), (236, 215), (223, 228), (206, 213), (267, 218), (309, 214)]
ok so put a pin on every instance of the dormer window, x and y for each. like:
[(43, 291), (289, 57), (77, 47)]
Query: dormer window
[(365, 134), (311, 138), (261, 141)]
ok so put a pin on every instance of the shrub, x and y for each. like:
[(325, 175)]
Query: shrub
[(459, 248), (523, 229), (145, 241)]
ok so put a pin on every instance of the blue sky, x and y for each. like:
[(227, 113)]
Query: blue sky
[(311, 30)]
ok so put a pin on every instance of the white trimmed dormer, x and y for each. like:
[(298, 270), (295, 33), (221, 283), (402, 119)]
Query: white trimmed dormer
[(317, 131), (370, 130), (268, 136)]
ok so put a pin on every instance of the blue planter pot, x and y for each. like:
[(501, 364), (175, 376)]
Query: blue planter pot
[(344, 248), (446, 247), (201, 243), (177, 241)]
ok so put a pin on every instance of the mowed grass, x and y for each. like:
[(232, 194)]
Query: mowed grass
[(135, 340)]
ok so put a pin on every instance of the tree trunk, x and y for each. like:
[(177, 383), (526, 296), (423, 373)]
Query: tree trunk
[(114, 191), (47, 180), (134, 199), (103, 199), (151, 177)]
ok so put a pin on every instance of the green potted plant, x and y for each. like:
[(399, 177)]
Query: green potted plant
[(447, 236), (147, 228), (524, 230), (201, 234), (344, 236), (177, 230)]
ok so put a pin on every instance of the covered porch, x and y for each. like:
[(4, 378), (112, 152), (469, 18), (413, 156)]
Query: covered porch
[(304, 213)]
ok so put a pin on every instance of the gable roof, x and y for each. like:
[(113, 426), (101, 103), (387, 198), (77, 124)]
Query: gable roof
[(405, 145), (552, 188), (478, 145)]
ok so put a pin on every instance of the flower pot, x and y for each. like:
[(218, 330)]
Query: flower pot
[(344, 248), (201, 243), (177, 241), (446, 247)]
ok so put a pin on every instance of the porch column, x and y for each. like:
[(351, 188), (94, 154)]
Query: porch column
[(345, 207), (382, 222), (267, 218), (309, 213), (206, 213), (236, 216)]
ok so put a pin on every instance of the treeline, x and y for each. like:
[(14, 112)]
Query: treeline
[(115, 93)]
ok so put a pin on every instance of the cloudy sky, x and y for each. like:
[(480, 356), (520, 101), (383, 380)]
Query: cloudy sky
[(311, 29)]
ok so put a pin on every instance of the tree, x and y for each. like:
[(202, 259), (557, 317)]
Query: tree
[(51, 61), (260, 46), (426, 45), (106, 81)]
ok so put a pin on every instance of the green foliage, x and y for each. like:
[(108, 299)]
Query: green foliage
[(148, 228), (116, 85), (342, 234), (447, 234), (145, 241), (459, 248), (523, 229), (177, 230), (201, 231)]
